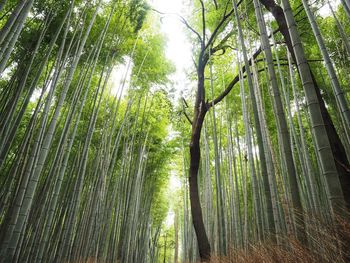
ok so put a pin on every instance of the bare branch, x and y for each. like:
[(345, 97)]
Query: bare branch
[(252, 28), (216, 4), (226, 6), (232, 83), (183, 20), (194, 62), (185, 102), (184, 106), (222, 21), (188, 118), (216, 30), (223, 50), (203, 22), (236, 79), (221, 44)]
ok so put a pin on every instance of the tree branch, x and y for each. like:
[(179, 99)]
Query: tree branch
[(188, 118), (232, 83), (184, 106), (216, 4), (194, 62), (203, 23), (221, 44), (183, 20), (236, 79), (222, 21), (185, 102), (252, 28), (216, 30)]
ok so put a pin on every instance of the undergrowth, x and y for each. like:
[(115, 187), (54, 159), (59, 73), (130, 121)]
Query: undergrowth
[(326, 243)]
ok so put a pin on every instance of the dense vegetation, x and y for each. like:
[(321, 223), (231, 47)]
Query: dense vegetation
[(91, 135)]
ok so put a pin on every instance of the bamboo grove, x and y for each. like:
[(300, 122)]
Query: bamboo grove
[(92, 131), (69, 143)]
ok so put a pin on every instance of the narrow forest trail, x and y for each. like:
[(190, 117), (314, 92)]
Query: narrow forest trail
[(174, 131)]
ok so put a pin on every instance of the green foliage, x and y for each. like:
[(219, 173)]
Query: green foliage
[(149, 131)]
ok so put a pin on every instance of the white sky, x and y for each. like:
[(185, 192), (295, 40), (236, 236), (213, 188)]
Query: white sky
[(325, 11), (174, 186), (179, 51), (120, 77), (178, 48)]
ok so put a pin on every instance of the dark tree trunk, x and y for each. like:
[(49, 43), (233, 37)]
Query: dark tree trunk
[(195, 154), (341, 161)]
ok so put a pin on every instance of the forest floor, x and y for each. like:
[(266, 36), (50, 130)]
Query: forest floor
[(322, 237)]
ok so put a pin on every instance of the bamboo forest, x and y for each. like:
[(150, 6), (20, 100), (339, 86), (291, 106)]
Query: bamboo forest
[(145, 131)]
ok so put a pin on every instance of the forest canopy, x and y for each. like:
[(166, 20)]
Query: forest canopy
[(105, 156)]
